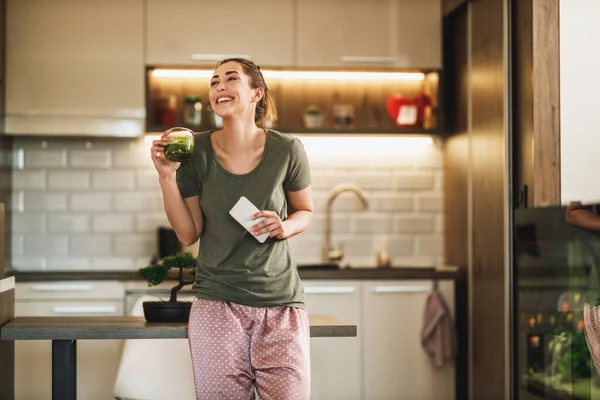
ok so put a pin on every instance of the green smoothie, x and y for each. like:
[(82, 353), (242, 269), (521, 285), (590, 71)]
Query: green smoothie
[(181, 147)]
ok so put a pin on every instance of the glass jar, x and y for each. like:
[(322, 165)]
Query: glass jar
[(192, 111), (182, 145)]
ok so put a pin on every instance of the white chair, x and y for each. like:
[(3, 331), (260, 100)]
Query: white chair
[(155, 369)]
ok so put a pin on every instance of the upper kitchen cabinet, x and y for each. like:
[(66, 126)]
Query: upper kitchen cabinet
[(369, 33), (75, 67), (202, 32)]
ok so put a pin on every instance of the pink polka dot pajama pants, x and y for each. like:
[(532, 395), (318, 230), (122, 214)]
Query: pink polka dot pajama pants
[(237, 350)]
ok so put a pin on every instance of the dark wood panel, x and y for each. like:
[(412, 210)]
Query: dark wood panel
[(450, 6), (488, 152), (522, 100), (7, 351), (546, 102), (75, 328)]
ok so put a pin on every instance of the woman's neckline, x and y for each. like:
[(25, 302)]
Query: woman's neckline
[(262, 158)]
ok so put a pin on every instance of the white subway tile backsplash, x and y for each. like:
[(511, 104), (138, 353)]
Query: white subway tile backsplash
[(28, 223), (90, 245), (44, 201), (18, 246), (429, 246), (147, 180), (29, 180), (68, 223), (135, 201), (112, 223), (46, 245), (414, 224), (429, 202), (68, 180), (134, 245), (113, 263), (91, 201), (45, 158), (148, 222), (113, 180), (95, 204), (414, 181), (372, 223), (28, 263), (90, 158), (68, 263)]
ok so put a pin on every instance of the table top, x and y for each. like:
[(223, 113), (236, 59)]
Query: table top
[(80, 328)]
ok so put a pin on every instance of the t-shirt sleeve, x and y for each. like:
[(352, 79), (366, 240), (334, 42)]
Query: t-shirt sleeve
[(188, 180), (298, 174)]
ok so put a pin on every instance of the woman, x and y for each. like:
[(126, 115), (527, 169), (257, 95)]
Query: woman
[(587, 218), (248, 329)]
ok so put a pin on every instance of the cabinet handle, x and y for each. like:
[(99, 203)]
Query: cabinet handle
[(84, 309), (401, 289), (203, 57), (368, 59), (329, 289), (61, 288)]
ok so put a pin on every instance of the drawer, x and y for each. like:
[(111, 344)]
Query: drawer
[(68, 308), (70, 290)]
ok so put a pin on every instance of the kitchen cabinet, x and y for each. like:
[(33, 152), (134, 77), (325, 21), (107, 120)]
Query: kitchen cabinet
[(574, 91), (395, 365), (75, 67), (336, 366), (202, 32), (369, 33), (97, 360)]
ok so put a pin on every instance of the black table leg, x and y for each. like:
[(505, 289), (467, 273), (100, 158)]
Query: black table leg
[(64, 369)]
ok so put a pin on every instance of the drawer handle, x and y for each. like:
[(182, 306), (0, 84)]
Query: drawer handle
[(368, 60), (401, 289), (62, 288), (329, 289), (84, 309), (203, 57)]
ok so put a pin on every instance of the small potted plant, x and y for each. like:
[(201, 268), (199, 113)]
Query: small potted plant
[(171, 310), (313, 117)]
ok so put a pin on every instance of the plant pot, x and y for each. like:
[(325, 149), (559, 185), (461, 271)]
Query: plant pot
[(313, 121), (165, 311)]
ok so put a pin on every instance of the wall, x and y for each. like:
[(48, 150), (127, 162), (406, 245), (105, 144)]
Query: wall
[(94, 204)]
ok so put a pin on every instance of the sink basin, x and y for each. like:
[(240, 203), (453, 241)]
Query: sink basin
[(321, 266)]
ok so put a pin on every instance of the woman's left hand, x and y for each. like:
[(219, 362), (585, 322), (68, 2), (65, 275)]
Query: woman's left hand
[(271, 223)]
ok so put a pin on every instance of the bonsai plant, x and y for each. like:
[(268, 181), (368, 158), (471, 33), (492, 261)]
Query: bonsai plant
[(171, 310), (313, 117)]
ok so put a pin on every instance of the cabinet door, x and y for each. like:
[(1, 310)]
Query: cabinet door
[(336, 371), (369, 33), (395, 365), (201, 32), (345, 33), (75, 67)]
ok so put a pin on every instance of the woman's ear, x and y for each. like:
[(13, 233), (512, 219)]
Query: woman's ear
[(258, 94)]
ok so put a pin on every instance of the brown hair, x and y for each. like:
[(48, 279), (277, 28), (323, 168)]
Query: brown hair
[(265, 108)]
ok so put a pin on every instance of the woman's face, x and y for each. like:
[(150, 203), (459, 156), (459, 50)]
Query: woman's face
[(231, 92)]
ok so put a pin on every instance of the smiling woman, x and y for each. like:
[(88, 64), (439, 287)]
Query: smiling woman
[(247, 291)]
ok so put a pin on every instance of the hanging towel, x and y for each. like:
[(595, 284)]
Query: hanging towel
[(438, 337)]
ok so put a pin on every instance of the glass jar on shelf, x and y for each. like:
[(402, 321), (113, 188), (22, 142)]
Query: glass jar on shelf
[(192, 111)]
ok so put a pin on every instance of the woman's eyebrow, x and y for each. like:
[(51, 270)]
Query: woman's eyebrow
[(226, 73)]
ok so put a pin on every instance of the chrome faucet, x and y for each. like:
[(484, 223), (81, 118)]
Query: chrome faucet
[(331, 255)]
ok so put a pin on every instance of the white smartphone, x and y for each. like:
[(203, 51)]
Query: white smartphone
[(242, 212)]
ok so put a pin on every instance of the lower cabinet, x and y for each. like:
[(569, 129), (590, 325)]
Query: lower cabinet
[(97, 360), (336, 363), (395, 364)]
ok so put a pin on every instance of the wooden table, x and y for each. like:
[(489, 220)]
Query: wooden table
[(65, 331)]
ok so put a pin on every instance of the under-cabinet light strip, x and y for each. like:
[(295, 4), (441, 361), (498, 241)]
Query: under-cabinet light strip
[(332, 75)]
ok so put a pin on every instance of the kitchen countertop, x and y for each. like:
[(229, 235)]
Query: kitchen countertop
[(408, 273)]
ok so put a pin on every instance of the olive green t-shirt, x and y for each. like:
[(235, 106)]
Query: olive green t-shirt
[(232, 265)]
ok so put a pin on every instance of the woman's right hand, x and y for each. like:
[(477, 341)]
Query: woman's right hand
[(157, 152)]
